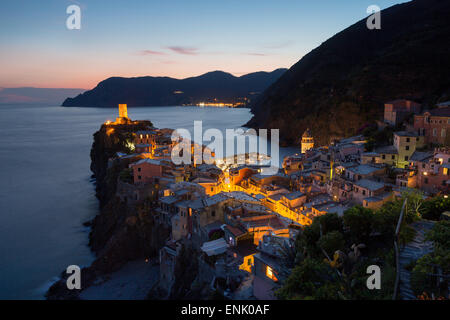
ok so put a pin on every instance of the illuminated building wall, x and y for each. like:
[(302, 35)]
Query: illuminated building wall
[(123, 113)]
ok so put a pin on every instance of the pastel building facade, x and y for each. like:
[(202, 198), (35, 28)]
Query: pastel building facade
[(434, 126), (406, 143), (147, 171), (370, 194)]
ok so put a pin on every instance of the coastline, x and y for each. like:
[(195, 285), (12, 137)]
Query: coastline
[(120, 232), (132, 282)]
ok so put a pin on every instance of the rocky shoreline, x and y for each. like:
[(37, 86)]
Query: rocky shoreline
[(121, 232)]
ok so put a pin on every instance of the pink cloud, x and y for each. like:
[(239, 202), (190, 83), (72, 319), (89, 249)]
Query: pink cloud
[(184, 50), (257, 54), (152, 53)]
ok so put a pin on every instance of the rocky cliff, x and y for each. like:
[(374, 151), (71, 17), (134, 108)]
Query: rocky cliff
[(120, 232), (340, 86)]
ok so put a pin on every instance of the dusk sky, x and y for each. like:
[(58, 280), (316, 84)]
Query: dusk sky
[(162, 38)]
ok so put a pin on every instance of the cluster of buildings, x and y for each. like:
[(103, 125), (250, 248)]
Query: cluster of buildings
[(244, 222), (433, 125)]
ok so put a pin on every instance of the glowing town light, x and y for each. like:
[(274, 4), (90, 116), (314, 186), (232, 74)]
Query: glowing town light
[(130, 146)]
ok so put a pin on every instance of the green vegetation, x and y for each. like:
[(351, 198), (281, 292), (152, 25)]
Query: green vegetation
[(359, 221), (311, 279), (186, 270), (423, 276), (331, 242), (376, 138), (335, 253), (433, 209)]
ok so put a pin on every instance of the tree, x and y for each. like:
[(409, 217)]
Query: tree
[(306, 241), (359, 221), (329, 222), (331, 242), (440, 234), (387, 216), (432, 209), (422, 279), (415, 200), (305, 280)]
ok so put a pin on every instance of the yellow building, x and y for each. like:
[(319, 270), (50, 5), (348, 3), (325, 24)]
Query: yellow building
[(406, 144), (123, 113), (307, 141), (397, 155)]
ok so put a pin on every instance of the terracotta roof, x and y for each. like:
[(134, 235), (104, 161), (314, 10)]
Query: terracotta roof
[(234, 231)]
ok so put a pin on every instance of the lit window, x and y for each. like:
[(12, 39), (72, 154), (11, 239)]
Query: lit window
[(270, 273)]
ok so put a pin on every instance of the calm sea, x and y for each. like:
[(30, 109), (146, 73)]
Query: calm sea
[(46, 191)]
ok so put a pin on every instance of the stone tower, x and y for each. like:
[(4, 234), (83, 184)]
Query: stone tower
[(307, 141), (123, 113)]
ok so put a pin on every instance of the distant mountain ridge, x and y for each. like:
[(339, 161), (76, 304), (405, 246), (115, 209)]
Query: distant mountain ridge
[(342, 85), (165, 91)]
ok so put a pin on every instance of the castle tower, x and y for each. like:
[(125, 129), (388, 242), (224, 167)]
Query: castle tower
[(123, 113), (307, 141)]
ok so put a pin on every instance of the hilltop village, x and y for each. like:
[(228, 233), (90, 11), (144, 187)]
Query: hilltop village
[(230, 228)]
